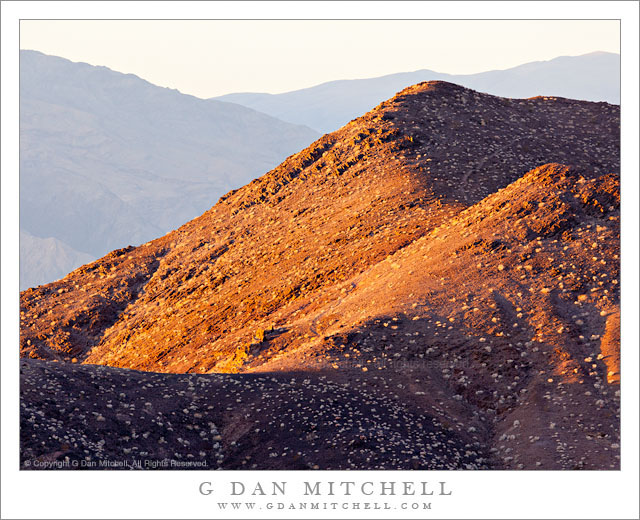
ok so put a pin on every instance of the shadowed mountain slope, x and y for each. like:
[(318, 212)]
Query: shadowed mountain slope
[(263, 421), (409, 251)]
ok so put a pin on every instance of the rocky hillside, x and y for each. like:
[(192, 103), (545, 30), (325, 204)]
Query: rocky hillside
[(436, 252), (286, 420)]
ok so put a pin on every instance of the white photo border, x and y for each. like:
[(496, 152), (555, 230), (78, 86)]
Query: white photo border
[(480, 494)]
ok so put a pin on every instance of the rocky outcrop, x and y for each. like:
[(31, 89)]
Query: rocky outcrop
[(452, 251)]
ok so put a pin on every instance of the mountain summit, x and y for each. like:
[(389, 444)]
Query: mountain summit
[(451, 252), (328, 106)]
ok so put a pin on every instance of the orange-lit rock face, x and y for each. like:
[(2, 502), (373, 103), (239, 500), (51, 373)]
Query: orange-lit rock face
[(437, 251), (610, 348)]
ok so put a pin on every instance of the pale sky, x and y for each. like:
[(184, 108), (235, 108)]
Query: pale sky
[(207, 58)]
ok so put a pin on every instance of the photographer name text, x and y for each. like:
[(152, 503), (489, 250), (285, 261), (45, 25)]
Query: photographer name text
[(327, 488)]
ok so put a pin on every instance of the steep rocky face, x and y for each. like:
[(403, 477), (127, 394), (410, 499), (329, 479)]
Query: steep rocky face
[(289, 240), (425, 253)]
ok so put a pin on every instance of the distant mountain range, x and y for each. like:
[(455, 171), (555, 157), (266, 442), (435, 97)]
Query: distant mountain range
[(43, 259), (326, 107), (108, 159)]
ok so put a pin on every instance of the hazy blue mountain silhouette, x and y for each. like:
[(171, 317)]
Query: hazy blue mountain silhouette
[(326, 107), (44, 259), (108, 159)]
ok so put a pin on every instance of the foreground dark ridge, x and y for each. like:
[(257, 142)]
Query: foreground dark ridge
[(410, 252), (265, 421)]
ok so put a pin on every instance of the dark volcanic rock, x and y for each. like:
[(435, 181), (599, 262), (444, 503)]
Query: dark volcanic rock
[(109, 418)]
